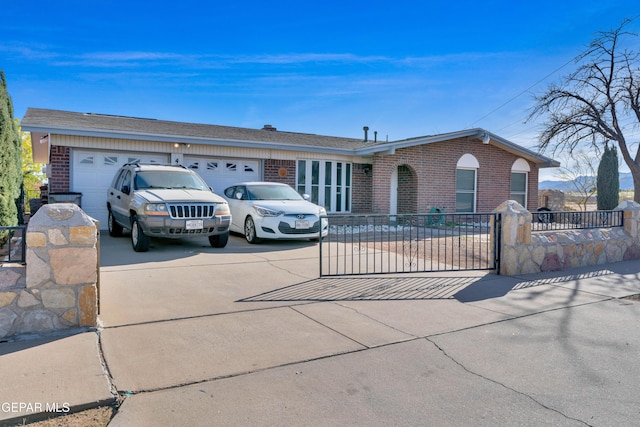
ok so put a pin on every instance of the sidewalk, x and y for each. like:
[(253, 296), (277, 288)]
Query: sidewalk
[(257, 339)]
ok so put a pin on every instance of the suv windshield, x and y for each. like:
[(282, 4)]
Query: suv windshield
[(158, 179)]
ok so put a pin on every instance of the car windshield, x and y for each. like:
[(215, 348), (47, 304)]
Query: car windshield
[(171, 180), (272, 192)]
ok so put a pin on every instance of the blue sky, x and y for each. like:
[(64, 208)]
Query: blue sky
[(403, 68)]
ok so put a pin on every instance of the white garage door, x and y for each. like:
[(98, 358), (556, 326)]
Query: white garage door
[(222, 173), (93, 171)]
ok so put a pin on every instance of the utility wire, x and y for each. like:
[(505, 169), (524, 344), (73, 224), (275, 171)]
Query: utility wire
[(576, 59), (519, 94)]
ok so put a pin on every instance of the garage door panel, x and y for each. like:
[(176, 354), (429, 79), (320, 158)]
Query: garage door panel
[(220, 173), (93, 172)]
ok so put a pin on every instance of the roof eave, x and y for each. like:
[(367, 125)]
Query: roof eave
[(141, 136), (391, 147), (540, 160)]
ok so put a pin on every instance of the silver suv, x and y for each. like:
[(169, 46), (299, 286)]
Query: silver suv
[(165, 201)]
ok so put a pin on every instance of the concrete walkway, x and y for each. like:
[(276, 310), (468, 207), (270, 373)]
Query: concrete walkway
[(248, 335)]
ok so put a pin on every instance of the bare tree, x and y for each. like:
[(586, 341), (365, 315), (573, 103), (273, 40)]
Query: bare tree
[(597, 103), (580, 174)]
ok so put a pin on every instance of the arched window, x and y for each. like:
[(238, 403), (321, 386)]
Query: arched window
[(466, 179), (519, 179)]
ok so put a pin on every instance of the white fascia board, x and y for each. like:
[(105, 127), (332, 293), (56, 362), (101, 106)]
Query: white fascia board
[(188, 140), (540, 160), (390, 147)]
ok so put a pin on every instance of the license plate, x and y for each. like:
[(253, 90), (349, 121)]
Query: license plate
[(302, 223), (194, 224)]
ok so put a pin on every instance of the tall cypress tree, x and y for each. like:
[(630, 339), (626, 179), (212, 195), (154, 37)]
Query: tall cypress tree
[(10, 159), (608, 182)]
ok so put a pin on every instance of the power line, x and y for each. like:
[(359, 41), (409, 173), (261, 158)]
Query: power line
[(519, 94)]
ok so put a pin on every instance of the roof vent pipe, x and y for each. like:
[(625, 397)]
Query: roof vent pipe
[(366, 133), (375, 136)]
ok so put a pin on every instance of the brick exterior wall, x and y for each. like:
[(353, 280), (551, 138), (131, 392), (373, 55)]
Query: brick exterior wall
[(434, 168), (280, 171), (426, 177), (361, 187), (407, 190), (60, 176)]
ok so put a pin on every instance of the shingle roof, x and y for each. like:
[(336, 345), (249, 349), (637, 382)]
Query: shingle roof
[(110, 126), (66, 120)]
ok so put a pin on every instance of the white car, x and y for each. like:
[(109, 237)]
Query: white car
[(270, 210)]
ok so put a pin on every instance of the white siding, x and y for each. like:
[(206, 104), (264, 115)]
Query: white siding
[(112, 144)]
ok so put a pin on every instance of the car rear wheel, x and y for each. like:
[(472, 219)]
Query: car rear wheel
[(139, 240), (219, 241), (250, 231), (115, 229)]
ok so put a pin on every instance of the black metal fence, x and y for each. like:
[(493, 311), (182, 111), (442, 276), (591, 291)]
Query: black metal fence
[(13, 247), (572, 220), (375, 244)]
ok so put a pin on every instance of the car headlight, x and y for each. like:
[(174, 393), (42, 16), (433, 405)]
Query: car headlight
[(265, 212), (158, 209), (222, 209)]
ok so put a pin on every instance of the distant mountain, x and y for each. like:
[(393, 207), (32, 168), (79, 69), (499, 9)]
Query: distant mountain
[(626, 183)]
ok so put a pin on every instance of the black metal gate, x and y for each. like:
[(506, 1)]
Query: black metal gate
[(377, 244)]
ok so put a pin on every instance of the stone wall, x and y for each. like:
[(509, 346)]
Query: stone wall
[(57, 288), (524, 252)]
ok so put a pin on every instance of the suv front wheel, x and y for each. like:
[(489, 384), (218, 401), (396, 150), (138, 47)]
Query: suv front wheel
[(139, 240), (219, 240)]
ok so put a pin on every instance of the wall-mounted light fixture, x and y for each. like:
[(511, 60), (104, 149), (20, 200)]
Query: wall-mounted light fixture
[(366, 169), (183, 145)]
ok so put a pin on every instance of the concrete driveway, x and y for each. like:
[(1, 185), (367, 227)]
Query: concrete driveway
[(249, 335)]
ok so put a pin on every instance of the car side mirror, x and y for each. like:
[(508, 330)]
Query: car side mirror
[(126, 189), (306, 197)]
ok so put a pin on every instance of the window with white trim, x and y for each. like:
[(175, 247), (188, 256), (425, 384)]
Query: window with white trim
[(466, 180), (327, 182), (519, 179)]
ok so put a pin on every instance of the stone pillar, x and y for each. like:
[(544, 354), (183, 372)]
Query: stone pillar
[(631, 227), (631, 217), (62, 263), (515, 235)]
